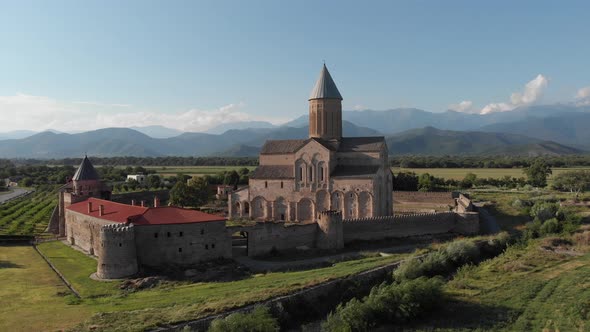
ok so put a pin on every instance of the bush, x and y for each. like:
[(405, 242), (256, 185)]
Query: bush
[(544, 210), (387, 303), (259, 320), (550, 226), (461, 252)]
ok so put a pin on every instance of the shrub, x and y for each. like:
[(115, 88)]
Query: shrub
[(259, 320), (550, 226), (461, 252), (387, 303), (544, 210)]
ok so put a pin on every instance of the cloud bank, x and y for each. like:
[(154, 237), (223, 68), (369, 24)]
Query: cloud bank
[(583, 96), (23, 111), (532, 92)]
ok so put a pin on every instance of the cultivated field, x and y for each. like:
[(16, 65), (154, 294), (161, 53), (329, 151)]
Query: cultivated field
[(28, 215)]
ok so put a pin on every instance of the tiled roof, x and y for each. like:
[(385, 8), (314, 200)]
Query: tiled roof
[(325, 88), (123, 213), (361, 144), (282, 146), (354, 171), (86, 171), (273, 172)]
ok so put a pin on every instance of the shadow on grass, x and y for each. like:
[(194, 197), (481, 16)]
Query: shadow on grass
[(463, 315), (10, 265), (507, 222)]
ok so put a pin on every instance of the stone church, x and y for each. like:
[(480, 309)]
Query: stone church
[(298, 179)]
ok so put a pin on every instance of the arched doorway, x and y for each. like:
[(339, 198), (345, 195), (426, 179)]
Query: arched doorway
[(259, 208), (305, 210)]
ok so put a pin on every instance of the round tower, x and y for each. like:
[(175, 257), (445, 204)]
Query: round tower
[(117, 256), (331, 233), (325, 108)]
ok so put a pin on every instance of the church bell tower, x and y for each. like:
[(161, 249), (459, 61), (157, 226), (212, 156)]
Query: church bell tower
[(325, 108)]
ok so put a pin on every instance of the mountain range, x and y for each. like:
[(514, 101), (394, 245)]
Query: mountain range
[(535, 130)]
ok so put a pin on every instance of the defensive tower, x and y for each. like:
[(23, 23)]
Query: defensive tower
[(117, 255), (330, 235)]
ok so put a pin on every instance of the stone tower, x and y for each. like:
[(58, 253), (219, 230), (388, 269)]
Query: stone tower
[(325, 108), (117, 255), (86, 181)]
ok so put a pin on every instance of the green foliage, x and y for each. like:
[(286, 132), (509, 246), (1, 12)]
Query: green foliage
[(443, 261), (195, 193), (573, 181), (387, 303), (259, 320), (425, 182), (469, 180), (537, 173), (28, 215), (544, 210), (407, 181)]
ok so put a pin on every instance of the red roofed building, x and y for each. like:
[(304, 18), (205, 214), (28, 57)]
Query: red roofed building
[(126, 237)]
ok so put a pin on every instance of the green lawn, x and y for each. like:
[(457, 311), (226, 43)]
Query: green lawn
[(105, 307), (32, 298)]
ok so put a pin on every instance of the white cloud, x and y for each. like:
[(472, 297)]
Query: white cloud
[(533, 91), (359, 107), (22, 111), (583, 96), (466, 106)]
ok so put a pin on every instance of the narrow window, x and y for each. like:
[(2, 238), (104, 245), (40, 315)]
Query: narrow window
[(301, 173), (120, 244), (179, 249), (281, 184), (310, 175), (213, 246), (265, 184), (207, 247), (282, 216), (321, 174), (180, 234), (202, 231), (168, 234), (156, 235)]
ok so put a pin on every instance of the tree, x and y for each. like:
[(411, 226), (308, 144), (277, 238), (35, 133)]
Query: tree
[(469, 180), (154, 181), (537, 173), (195, 193), (572, 181), (425, 182), (231, 178), (407, 181)]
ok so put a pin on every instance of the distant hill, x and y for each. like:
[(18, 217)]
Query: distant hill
[(128, 142), (158, 131), (432, 141), (572, 128), (222, 128)]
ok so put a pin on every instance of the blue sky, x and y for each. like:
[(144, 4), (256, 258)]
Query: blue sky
[(194, 64)]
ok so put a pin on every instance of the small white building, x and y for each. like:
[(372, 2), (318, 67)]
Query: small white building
[(140, 178)]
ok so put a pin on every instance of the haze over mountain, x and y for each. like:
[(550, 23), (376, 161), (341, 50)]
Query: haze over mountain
[(158, 131)]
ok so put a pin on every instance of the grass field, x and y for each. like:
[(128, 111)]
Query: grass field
[(459, 173), (525, 289), (194, 170), (32, 298), (105, 307)]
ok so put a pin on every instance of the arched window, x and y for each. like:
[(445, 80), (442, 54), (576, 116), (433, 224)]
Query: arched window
[(321, 173), (300, 178), (310, 174)]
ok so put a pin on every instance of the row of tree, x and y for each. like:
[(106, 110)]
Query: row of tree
[(487, 161)]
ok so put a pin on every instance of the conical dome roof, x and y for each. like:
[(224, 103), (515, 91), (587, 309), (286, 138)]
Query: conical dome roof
[(86, 171), (325, 88)]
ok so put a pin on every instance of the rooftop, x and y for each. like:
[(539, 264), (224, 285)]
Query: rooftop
[(138, 215), (345, 144), (325, 88), (86, 171)]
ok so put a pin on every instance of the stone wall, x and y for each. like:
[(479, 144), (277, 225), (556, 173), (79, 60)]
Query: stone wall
[(181, 244), (117, 257), (447, 198), (378, 228), (266, 237), (84, 231)]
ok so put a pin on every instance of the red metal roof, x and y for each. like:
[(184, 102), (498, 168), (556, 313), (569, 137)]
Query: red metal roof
[(138, 215)]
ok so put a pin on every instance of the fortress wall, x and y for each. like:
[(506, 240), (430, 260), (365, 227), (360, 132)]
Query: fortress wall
[(84, 231), (425, 197), (378, 228), (263, 237), (467, 223), (117, 257), (181, 244)]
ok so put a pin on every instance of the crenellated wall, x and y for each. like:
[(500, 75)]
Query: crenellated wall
[(378, 228), (263, 238)]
